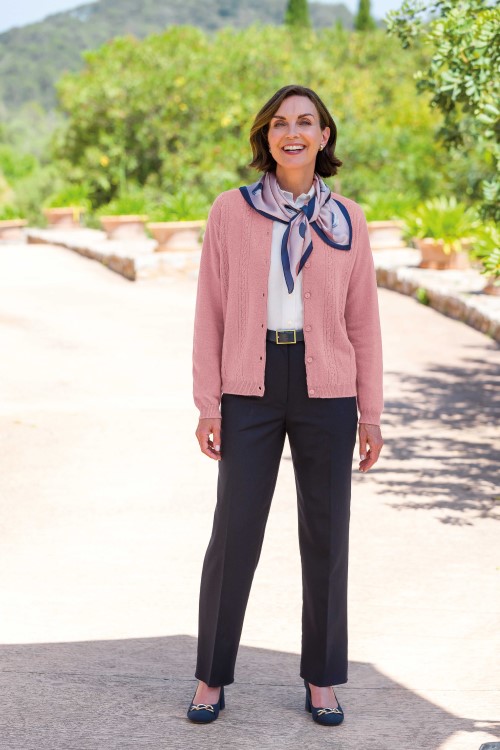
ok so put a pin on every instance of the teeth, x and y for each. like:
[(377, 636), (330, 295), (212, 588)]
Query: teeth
[(293, 148)]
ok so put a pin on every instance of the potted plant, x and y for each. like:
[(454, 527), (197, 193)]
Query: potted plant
[(442, 229), (384, 212), (177, 222), (64, 208), (11, 223), (124, 216), (487, 250)]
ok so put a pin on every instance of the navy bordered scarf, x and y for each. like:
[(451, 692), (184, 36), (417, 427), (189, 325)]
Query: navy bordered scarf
[(329, 218)]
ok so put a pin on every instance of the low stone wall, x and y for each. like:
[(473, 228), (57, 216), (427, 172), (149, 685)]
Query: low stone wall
[(455, 293), (134, 259)]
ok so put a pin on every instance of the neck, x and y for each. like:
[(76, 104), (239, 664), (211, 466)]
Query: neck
[(296, 181)]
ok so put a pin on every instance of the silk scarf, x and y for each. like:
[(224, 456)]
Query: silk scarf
[(328, 217)]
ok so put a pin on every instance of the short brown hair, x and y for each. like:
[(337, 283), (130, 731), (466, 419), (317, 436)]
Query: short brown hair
[(326, 162)]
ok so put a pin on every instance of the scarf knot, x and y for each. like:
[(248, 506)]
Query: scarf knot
[(327, 216)]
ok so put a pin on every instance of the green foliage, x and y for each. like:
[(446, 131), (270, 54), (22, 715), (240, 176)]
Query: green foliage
[(160, 113), (388, 205), (422, 295), (297, 14), (363, 20), (463, 77), (15, 165), (182, 205), (443, 219), (131, 203), (10, 211), (486, 248), (70, 195)]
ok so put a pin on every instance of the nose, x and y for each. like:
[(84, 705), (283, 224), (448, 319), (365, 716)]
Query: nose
[(291, 133)]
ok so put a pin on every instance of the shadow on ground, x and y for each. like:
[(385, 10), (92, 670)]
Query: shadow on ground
[(444, 433), (134, 694)]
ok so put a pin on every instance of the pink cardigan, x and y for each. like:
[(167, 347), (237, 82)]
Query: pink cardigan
[(343, 344)]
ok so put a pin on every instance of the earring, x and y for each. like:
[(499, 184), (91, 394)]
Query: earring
[(321, 147)]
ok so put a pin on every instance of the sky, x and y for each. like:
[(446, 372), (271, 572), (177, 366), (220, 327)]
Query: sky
[(30, 11)]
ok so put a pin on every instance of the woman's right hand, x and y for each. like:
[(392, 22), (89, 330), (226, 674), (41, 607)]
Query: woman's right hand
[(207, 427)]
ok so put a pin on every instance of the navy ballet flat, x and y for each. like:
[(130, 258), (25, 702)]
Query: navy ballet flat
[(327, 716), (202, 713)]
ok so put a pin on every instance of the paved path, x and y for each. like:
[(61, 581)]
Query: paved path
[(106, 509)]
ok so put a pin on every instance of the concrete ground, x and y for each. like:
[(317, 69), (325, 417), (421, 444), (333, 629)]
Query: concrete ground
[(106, 510)]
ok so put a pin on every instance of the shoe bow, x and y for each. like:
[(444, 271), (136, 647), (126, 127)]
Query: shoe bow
[(328, 711), (202, 707)]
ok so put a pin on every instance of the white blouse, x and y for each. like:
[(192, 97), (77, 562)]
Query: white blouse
[(284, 310)]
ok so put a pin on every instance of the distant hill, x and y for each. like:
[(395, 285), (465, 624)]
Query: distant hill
[(33, 57)]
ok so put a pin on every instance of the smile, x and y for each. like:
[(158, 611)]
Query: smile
[(295, 148)]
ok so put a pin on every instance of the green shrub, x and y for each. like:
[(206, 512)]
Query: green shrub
[(183, 205), (444, 219), (11, 212), (387, 206), (125, 204), (70, 195), (486, 249)]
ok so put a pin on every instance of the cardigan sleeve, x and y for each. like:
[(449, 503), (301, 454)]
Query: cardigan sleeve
[(208, 321), (363, 327)]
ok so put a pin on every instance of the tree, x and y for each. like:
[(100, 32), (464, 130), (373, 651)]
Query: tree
[(463, 77), (297, 14), (364, 20)]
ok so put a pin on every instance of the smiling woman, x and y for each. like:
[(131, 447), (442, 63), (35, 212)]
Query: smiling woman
[(287, 341)]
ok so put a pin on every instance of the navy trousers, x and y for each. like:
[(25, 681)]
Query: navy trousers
[(322, 437)]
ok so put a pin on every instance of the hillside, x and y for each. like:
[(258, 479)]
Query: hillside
[(33, 57)]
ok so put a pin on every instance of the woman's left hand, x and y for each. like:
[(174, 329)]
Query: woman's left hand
[(369, 434)]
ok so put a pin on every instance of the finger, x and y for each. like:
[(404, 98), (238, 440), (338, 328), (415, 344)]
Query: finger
[(362, 445), (216, 432), (371, 458)]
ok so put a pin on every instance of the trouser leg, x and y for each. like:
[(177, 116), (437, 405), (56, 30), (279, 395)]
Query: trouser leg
[(322, 436), (252, 439)]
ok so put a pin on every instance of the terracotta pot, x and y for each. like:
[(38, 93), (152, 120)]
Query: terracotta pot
[(124, 227), (433, 255), (176, 236), (12, 229), (491, 288), (67, 217), (386, 235)]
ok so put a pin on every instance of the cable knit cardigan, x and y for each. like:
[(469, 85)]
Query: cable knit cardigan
[(342, 335)]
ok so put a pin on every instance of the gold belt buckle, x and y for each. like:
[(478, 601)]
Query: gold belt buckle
[(287, 330)]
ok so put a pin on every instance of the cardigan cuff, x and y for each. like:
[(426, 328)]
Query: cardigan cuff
[(210, 412), (367, 417)]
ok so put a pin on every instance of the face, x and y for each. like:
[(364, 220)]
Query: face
[(296, 123)]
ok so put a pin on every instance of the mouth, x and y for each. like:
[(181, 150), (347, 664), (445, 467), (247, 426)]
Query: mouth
[(293, 148)]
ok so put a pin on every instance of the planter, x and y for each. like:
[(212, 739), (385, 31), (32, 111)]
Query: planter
[(12, 229), (67, 217), (491, 288), (386, 235), (124, 227), (433, 255), (176, 236)]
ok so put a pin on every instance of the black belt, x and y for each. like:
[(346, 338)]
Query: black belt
[(285, 335)]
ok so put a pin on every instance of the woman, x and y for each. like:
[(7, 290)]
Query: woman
[(287, 340)]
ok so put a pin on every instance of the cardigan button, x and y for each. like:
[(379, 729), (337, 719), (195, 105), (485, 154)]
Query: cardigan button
[(308, 328), (311, 391), (307, 295), (307, 263), (309, 359)]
